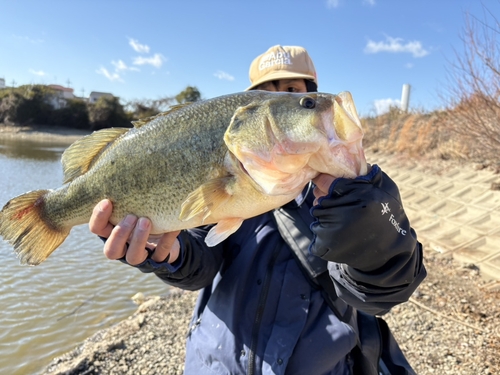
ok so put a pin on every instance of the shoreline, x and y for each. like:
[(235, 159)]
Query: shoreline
[(42, 133)]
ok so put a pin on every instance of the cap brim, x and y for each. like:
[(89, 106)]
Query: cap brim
[(281, 75)]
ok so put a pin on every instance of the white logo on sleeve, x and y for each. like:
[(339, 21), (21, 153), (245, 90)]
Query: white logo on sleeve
[(392, 220)]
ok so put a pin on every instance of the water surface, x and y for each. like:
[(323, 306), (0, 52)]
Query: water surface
[(49, 309)]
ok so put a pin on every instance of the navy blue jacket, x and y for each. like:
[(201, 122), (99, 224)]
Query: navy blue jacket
[(258, 313)]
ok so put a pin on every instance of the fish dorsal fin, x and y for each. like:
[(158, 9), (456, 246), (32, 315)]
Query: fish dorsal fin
[(144, 121), (79, 157), (205, 199)]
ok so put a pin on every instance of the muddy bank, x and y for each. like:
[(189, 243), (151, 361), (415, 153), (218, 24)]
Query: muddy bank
[(43, 133)]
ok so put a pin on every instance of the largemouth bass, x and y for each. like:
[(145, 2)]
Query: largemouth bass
[(218, 161)]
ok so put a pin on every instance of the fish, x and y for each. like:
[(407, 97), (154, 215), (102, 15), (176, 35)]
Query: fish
[(218, 161)]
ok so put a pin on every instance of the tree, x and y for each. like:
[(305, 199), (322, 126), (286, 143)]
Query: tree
[(73, 115), (107, 113), (474, 92), (139, 109), (27, 104), (190, 94)]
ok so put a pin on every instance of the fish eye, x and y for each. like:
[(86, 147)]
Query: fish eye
[(307, 102)]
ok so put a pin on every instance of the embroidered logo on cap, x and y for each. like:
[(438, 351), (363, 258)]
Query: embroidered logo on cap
[(272, 59)]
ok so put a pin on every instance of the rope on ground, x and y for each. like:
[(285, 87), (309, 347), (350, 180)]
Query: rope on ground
[(422, 306)]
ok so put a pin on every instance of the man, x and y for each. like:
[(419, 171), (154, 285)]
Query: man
[(258, 312)]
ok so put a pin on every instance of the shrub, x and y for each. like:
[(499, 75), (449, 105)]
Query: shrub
[(74, 115), (107, 113)]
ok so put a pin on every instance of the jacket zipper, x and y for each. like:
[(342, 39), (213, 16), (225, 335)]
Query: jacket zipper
[(260, 310)]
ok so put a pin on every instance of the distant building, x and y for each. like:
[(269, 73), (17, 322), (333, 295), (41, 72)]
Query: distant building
[(95, 95), (2, 83), (62, 94)]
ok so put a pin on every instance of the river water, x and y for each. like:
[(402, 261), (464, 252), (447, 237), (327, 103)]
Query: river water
[(49, 309)]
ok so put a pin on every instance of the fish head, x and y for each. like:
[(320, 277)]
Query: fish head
[(341, 152), (284, 140)]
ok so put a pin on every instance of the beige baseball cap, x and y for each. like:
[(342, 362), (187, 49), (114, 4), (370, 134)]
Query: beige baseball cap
[(282, 62)]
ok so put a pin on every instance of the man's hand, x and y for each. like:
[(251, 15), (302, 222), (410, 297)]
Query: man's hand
[(134, 232), (323, 183)]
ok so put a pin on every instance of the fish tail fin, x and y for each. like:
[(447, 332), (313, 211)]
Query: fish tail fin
[(23, 224)]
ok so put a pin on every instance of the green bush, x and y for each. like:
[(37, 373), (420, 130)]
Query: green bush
[(74, 115), (26, 105), (190, 94), (107, 113)]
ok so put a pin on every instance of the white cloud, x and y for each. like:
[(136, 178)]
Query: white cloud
[(223, 75), (395, 45), (40, 73), (156, 60), (111, 76), (336, 3), (383, 105), (28, 39), (140, 48), (408, 65), (332, 3), (120, 66)]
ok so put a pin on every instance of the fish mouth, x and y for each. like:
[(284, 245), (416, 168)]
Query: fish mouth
[(242, 167), (271, 179)]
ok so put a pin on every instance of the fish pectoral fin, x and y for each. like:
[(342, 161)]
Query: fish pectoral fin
[(223, 230), (206, 199), (82, 154)]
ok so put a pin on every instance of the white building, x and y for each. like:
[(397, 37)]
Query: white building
[(62, 94), (2, 83), (95, 95)]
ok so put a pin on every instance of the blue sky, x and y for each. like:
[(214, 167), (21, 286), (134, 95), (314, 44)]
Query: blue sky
[(151, 49)]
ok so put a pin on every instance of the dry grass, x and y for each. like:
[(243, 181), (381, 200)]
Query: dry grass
[(447, 135), (469, 128)]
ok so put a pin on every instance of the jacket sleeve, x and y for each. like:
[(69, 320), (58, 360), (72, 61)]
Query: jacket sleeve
[(196, 265), (361, 229)]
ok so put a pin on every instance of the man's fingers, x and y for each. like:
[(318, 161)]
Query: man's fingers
[(137, 252), (323, 182), (168, 244), (116, 245), (99, 221)]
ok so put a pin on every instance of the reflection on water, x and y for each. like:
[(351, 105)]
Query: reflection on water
[(49, 309), (26, 149)]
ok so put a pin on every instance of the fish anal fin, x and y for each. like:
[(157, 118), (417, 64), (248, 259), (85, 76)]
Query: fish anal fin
[(22, 224), (80, 156), (223, 230), (206, 199)]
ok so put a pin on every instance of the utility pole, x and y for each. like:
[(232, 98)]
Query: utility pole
[(68, 83), (405, 97)]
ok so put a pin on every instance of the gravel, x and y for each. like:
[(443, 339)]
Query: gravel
[(449, 326)]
